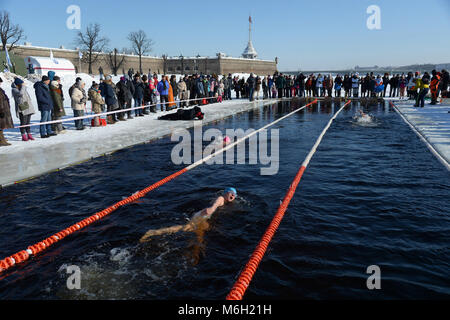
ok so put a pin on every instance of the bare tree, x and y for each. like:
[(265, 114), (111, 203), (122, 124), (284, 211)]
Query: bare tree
[(141, 45), (9, 32), (91, 43), (115, 62)]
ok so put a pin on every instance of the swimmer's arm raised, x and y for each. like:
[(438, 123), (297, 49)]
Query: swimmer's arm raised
[(220, 201)]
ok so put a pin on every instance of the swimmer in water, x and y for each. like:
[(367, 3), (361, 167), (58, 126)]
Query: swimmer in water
[(362, 113), (200, 217)]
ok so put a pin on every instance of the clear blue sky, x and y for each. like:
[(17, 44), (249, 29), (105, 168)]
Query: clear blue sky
[(324, 34)]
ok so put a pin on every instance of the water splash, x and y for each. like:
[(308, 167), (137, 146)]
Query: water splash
[(364, 119)]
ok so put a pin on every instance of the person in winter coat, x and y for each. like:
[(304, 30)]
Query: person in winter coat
[(329, 84), (445, 80), (58, 106), (228, 86), (182, 92), (206, 88), (45, 105), (434, 86), (270, 83), (301, 85), (355, 85), (365, 84), (24, 107), (138, 95), (379, 86), (347, 84), (124, 97), (251, 86), (96, 101), (163, 89), (170, 97), (200, 92), (265, 88), (385, 82), (280, 83), (130, 85), (79, 99), (192, 87), (403, 84), (371, 84), (220, 91), (60, 91), (258, 84), (213, 88), (108, 92), (174, 85), (237, 87), (187, 80), (309, 86), (319, 86), (6, 121), (147, 100), (424, 86), (337, 86), (392, 86), (153, 91)]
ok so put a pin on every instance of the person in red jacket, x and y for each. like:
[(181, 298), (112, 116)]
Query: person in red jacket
[(434, 85)]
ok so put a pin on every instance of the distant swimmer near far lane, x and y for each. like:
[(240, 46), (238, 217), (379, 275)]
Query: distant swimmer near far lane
[(228, 196)]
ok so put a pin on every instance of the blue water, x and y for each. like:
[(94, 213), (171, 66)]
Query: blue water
[(372, 195)]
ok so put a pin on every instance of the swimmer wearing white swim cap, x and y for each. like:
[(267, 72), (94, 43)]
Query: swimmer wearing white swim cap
[(228, 196)]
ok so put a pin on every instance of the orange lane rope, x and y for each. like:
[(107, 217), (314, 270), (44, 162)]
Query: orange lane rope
[(24, 255), (245, 277), (34, 249)]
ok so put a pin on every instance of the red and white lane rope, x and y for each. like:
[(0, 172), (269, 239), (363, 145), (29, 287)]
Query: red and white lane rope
[(245, 277), (34, 249)]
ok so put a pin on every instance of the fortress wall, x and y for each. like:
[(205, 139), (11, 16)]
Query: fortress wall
[(205, 65)]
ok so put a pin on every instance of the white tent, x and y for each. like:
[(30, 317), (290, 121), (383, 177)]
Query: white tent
[(42, 65)]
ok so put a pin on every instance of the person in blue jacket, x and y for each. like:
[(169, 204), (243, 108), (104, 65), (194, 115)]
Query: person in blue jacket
[(199, 86), (163, 89), (45, 105)]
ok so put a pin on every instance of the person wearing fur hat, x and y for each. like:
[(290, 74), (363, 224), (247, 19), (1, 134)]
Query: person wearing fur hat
[(6, 121), (24, 107)]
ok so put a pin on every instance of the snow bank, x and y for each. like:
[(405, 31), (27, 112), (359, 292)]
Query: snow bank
[(433, 123)]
